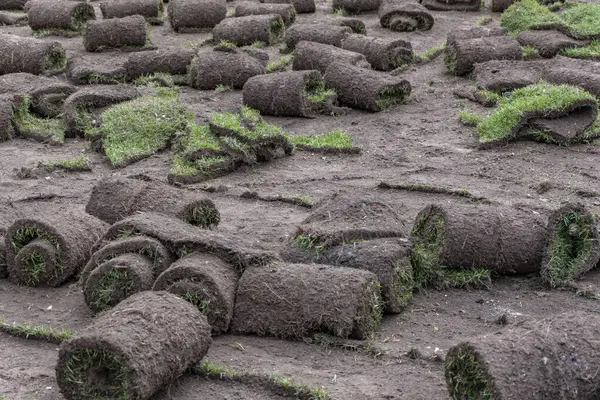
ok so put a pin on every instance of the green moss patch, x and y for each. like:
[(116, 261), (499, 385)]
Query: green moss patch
[(114, 286), (28, 124), (465, 376)]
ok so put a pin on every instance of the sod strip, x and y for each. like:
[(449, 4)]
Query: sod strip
[(174, 61), (132, 352), (404, 16), (287, 12), (301, 6), (24, 54), (8, 101), (436, 5), (29, 125), (318, 56), (499, 366), (549, 43), (356, 6), (573, 245), (500, 5), (500, 240), (244, 31), (378, 90), (296, 300), (318, 33), (388, 259), (334, 141), (12, 4), (473, 32), (51, 246), (151, 10), (577, 75), (207, 282), (128, 34), (382, 54), (196, 15), (83, 71), (214, 68), (505, 76), (60, 15), (36, 332), (462, 55)]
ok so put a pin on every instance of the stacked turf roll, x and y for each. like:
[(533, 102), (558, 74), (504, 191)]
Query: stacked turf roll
[(196, 15), (35, 56), (60, 15), (246, 30), (127, 33)]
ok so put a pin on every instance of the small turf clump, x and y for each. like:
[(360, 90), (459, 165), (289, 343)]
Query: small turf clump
[(220, 88), (465, 376), (430, 53), (36, 332), (469, 118), (159, 79), (529, 51), (79, 163), (308, 243), (334, 139), (204, 217), (279, 65), (114, 286), (392, 96), (589, 51)]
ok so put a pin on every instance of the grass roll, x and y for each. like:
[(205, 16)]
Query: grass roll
[(382, 54), (35, 56), (286, 11), (58, 16), (301, 6), (317, 56), (452, 5), (174, 61), (462, 55), (317, 33), (230, 68), (196, 15), (151, 10), (244, 31), (356, 6), (127, 33), (404, 16)]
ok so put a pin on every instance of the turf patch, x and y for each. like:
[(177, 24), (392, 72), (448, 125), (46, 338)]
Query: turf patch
[(465, 375)]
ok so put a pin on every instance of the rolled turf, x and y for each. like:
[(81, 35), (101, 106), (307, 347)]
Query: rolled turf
[(113, 199), (301, 6), (244, 31), (8, 101), (473, 32), (382, 54), (174, 61), (366, 89), (462, 55), (230, 68), (295, 300), (151, 10), (286, 11), (127, 33), (317, 33), (507, 75), (196, 15), (60, 15), (132, 352), (207, 282), (83, 71), (35, 56), (317, 56), (50, 247), (548, 43), (548, 359), (12, 18), (404, 16), (356, 6), (452, 5), (12, 4)]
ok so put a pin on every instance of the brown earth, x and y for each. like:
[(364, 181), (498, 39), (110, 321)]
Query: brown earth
[(420, 142)]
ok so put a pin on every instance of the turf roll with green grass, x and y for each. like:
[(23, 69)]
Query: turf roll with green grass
[(286, 11), (246, 30), (152, 10), (218, 67), (196, 15), (318, 56), (58, 16), (462, 55), (35, 56), (29, 125), (296, 300), (50, 246), (366, 89), (132, 352), (301, 6), (82, 70), (452, 5), (548, 43), (502, 76), (382, 54), (174, 61), (207, 282), (356, 6), (404, 16), (127, 34), (317, 33)]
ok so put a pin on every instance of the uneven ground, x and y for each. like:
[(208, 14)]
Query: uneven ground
[(420, 142)]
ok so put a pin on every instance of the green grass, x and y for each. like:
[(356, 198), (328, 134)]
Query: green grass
[(308, 243), (56, 60), (79, 163), (466, 377), (528, 51), (276, 30), (258, 44), (335, 138), (591, 50), (450, 59), (199, 301), (68, 33), (431, 52), (469, 118), (200, 138), (425, 254), (315, 91), (34, 268), (338, 12), (36, 332), (582, 19), (114, 286), (472, 278), (159, 79), (27, 123), (181, 166), (279, 64), (27, 234), (220, 88), (366, 347), (486, 19), (402, 284), (205, 217), (239, 123), (390, 96), (226, 43)]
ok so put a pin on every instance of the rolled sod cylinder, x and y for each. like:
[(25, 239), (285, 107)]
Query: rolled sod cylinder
[(12, 18), (12, 4), (50, 247), (207, 282), (573, 245), (246, 30), (355, 24), (113, 199), (8, 102), (366, 89), (301, 6), (141, 346), (474, 32), (548, 43), (196, 15), (382, 54), (452, 5), (174, 61), (286, 11), (82, 71), (60, 15), (317, 33), (317, 56), (151, 10), (208, 70), (505, 75), (585, 79), (35, 56), (499, 366), (404, 16), (356, 6), (294, 300), (462, 55), (128, 33)]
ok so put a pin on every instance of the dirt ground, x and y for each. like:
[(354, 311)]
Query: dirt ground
[(419, 142)]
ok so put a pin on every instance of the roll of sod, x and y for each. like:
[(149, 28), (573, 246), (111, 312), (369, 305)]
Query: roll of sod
[(196, 15), (83, 71), (246, 30), (207, 282), (50, 247), (505, 76), (151, 10), (382, 54), (174, 61), (452, 5), (301, 6), (366, 89), (113, 199), (128, 33), (317, 33), (60, 15), (132, 352), (501, 240), (404, 16), (35, 56), (573, 245), (13, 18), (500, 5), (473, 32), (576, 76), (8, 102), (461, 56), (12, 4), (295, 300), (355, 24), (317, 56), (233, 69), (287, 12), (388, 259), (356, 6), (548, 43), (499, 366), (287, 94)]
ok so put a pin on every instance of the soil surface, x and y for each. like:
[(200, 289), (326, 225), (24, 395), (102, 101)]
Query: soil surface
[(418, 142)]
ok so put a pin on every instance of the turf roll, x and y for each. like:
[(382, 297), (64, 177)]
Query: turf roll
[(8, 101), (366, 89), (141, 346), (294, 300), (50, 246), (301, 6), (113, 199), (576, 75), (357, 25), (317, 56), (60, 15), (244, 31), (151, 10), (286, 11), (12, 4), (473, 32), (316, 33), (548, 43), (382, 54), (573, 245), (174, 61), (12, 18), (356, 6), (506, 75), (35, 56), (499, 365), (452, 5), (207, 282), (127, 33), (83, 71), (462, 55), (404, 16), (196, 15), (231, 68)]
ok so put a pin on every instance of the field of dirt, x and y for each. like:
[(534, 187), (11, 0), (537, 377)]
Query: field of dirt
[(418, 142)]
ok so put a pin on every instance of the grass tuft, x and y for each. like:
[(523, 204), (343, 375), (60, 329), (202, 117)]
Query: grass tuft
[(159, 79), (329, 341), (528, 51), (79, 163), (390, 96), (28, 124), (486, 19), (334, 139), (36, 332), (466, 377), (34, 268), (430, 53), (199, 301), (469, 118), (280, 64), (258, 44), (206, 217), (114, 286), (591, 51), (220, 88), (338, 12), (308, 243)]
